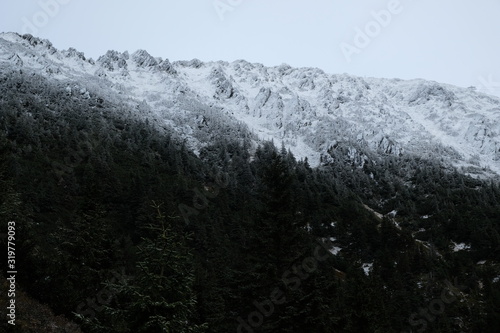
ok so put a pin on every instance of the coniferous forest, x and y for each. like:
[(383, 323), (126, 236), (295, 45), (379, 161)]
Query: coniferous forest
[(121, 228)]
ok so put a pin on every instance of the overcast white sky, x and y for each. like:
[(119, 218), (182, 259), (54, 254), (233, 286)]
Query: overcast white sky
[(450, 41)]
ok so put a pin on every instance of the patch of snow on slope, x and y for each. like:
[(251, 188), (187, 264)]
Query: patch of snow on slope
[(460, 246), (367, 268)]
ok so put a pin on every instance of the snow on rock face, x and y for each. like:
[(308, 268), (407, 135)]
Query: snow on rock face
[(16, 60), (143, 59), (37, 48), (425, 92), (113, 61), (39, 43), (167, 67), (223, 88), (388, 146), (262, 98), (315, 114), (195, 63), (73, 53), (269, 104)]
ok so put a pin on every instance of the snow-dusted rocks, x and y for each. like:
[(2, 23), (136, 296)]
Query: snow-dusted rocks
[(269, 104), (113, 61), (223, 87), (16, 60), (143, 59), (314, 113), (73, 53), (166, 66)]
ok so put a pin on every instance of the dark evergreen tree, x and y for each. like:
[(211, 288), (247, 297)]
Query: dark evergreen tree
[(159, 297)]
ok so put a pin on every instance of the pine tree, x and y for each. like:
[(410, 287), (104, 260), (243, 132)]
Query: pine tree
[(160, 296)]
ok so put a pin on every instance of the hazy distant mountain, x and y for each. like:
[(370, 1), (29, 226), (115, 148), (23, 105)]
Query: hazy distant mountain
[(310, 111)]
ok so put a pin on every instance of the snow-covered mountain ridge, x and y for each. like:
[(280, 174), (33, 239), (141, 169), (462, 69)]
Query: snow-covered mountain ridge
[(312, 112)]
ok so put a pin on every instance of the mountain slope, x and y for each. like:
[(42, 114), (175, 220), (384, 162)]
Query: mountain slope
[(310, 111)]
